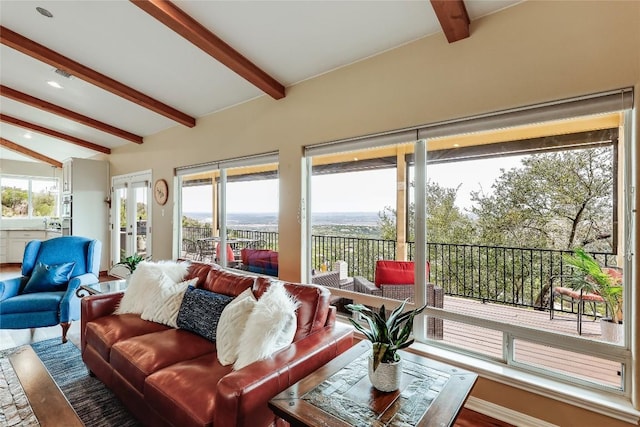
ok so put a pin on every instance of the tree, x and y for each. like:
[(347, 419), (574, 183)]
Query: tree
[(556, 200), (15, 202), (445, 222)]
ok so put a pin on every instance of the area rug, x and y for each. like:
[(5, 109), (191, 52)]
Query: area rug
[(95, 405)]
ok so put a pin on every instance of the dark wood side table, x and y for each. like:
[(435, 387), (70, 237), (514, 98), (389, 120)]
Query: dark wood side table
[(340, 394)]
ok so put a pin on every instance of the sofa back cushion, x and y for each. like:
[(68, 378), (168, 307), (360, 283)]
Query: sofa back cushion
[(313, 306), (216, 279)]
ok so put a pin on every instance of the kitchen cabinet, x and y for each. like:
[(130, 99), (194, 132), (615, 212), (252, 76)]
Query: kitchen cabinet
[(17, 240)]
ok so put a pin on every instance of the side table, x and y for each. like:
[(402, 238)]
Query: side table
[(339, 394), (102, 288)]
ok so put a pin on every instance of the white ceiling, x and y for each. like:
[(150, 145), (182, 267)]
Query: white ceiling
[(290, 40)]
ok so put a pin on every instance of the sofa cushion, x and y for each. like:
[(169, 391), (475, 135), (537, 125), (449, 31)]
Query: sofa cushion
[(228, 282), (164, 305), (138, 357), (49, 278), (102, 333), (200, 312), (390, 272), (270, 327), (184, 393), (231, 325)]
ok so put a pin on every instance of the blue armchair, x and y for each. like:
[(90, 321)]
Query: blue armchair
[(45, 295)]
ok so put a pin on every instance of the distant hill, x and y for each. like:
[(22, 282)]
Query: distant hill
[(271, 219)]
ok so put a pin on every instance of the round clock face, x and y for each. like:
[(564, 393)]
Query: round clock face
[(161, 191)]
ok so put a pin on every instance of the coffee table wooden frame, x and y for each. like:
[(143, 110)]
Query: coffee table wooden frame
[(443, 411)]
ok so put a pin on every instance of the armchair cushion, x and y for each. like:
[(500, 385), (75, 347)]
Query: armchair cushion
[(389, 272), (49, 278)]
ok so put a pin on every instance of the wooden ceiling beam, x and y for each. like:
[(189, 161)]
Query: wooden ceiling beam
[(67, 114), (453, 18), (183, 24), (9, 145), (29, 47), (54, 133)]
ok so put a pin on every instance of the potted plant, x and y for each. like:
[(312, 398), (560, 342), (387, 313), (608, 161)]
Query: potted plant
[(387, 335), (590, 277), (126, 266)]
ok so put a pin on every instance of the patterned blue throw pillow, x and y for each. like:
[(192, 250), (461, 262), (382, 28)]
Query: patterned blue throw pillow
[(49, 278), (200, 312)]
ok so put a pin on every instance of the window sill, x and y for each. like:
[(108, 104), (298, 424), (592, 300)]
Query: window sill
[(607, 404), (604, 403)]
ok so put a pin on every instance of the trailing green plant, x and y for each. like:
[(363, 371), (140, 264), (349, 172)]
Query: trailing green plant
[(131, 262), (592, 278), (388, 335)]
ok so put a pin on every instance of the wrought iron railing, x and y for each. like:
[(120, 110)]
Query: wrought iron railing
[(507, 275)]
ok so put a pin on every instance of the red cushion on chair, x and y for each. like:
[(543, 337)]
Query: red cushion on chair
[(230, 255), (390, 272)]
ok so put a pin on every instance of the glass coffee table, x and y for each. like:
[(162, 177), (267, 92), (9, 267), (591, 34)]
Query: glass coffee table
[(107, 287)]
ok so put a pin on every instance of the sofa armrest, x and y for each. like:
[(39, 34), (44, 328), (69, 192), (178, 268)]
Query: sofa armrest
[(364, 286), (95, 306), (10, 287), (242, 396)]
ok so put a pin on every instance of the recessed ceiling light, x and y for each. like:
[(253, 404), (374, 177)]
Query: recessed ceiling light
[(44, 12), (456, 145), (27, 135), (54, 84)]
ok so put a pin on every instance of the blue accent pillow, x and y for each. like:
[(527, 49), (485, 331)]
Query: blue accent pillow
[(49, 278), (200, 312)]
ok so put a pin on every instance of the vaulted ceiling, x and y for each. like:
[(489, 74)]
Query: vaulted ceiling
[(82, 77)]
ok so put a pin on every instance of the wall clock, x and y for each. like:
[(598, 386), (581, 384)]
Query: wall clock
[(161, 191)]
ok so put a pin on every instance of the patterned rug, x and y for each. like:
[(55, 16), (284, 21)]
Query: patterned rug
[(93, 402), (15, 409)]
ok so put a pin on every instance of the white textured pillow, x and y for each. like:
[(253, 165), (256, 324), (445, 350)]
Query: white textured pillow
[(271, 326), (143, 284), (145, 281), (164, 305), (231, 325)]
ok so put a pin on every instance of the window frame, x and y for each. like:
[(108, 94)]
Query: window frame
[(614, 101), (30, 209)]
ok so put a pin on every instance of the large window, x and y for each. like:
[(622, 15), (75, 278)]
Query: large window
[(493, 206), (229, 213), (29, 197)]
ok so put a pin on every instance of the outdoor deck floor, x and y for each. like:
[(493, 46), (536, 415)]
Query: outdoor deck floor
[(489, 342)]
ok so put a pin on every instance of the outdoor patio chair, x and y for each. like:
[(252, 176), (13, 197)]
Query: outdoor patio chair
[(577, 297), (205, 250), (395, 280), (189, 249)]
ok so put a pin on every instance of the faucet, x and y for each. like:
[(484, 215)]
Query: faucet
[(45, 222)]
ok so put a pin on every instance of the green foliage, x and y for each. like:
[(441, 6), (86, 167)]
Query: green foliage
[(15, 202), (387, 335), (44, 204), (445, 221), (191, 222), (555, 201), (590, 277), (131, 262)]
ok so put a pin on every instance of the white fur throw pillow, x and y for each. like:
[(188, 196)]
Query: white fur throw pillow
[(232, 322), (271, 326), (164, 305), (145, 281)]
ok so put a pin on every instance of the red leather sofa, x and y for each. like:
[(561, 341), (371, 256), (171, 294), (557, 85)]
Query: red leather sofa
[(172, 377)]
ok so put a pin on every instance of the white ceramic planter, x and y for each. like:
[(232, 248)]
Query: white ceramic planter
[(611, 332), (387, 377)]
